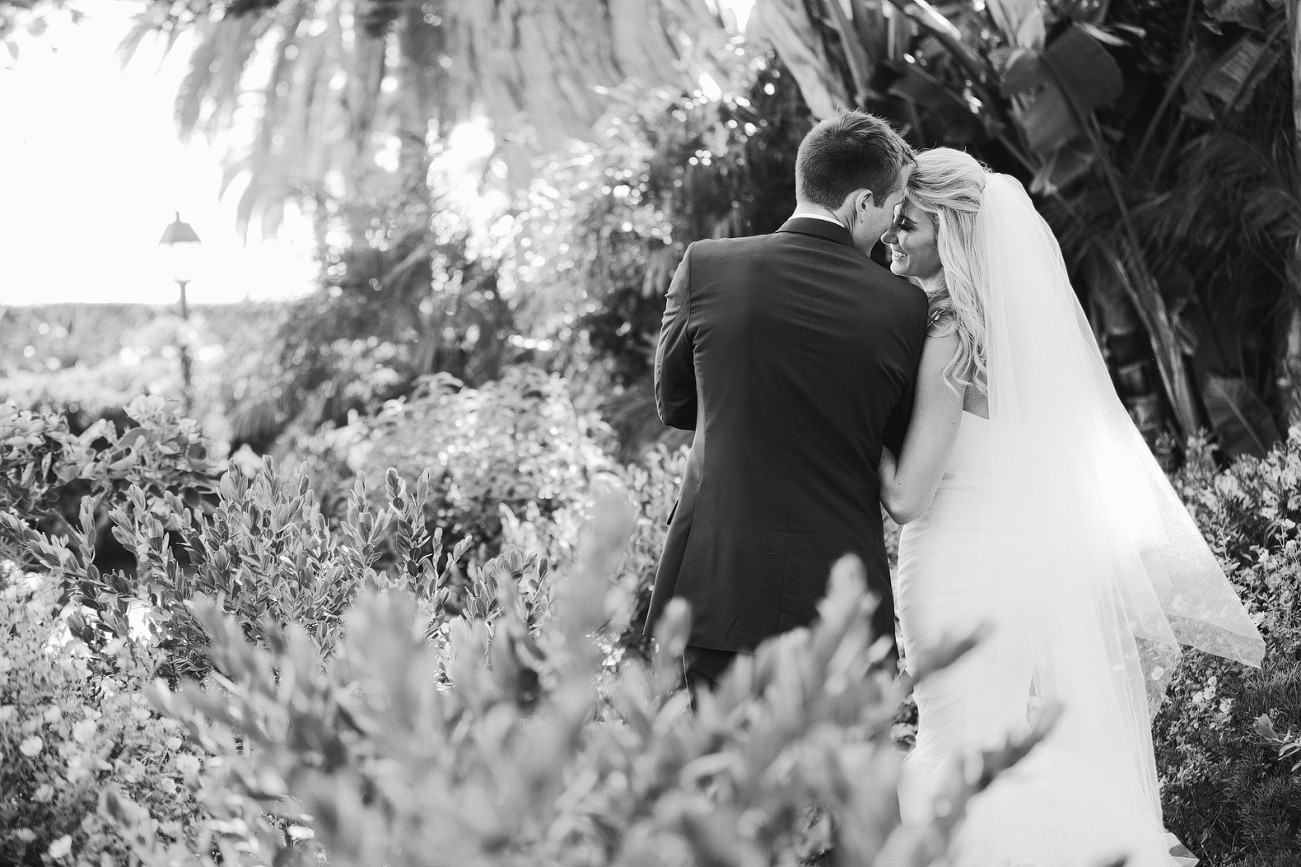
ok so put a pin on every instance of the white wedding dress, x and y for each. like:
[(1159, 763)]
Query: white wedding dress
[(1045, 812), (1054, 525)]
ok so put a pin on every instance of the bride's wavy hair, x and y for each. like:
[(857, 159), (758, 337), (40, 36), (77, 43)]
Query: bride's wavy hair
[(949, 185)]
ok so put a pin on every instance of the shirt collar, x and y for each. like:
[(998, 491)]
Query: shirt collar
[(819, 227), (813, 216)]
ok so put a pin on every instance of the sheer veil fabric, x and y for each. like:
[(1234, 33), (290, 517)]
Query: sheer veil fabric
[(1099, 573)]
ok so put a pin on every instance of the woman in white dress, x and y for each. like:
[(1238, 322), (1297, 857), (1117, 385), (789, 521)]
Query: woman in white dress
[(1031, 505)]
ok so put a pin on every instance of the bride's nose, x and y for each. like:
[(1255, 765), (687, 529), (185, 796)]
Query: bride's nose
[(889, 237)]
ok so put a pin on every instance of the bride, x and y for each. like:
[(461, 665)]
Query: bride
[(1032, 507)]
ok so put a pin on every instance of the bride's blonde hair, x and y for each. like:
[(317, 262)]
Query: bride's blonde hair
[(948, 185)]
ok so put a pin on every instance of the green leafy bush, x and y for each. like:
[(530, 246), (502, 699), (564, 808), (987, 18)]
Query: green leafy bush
[(72, 723), (510, 443), (370, 754), (48, 476), (651, 484), (265, 550), (1228, 791), (364, 709)]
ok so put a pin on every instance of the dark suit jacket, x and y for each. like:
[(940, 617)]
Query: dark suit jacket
[(792, 356)]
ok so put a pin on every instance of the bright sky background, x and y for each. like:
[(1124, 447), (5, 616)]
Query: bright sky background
[(91, 172)]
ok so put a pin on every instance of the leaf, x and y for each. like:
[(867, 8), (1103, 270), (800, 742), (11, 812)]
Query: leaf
[(1031, 32), (786, 24), (1244, 12), (1242, 422), (1048, 122), (1101, 35), (1063, 166), (946, 651), (1024, 71), (1239, 71), (947, 118), (1081, 77), (1087, 73)]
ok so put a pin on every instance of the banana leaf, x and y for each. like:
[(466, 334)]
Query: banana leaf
[(1084, 69), (1241, 421), (856, 56), (1062, 166), (945, 118), (787, 26), (1074, 74), (1242, 68), (1244, 12)]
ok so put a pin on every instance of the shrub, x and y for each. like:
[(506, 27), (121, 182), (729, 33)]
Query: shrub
[(371, 757), (1228, 793), (513, 442), (73, 723), (47, 475), (266, 551), (652, 485)]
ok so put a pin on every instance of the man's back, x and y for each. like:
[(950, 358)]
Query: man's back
[(792, 356)]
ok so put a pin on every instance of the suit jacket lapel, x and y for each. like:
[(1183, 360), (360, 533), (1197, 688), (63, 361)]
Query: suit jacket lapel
[(818, 229)]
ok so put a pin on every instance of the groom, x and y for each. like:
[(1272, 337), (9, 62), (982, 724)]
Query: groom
[(792, 357)]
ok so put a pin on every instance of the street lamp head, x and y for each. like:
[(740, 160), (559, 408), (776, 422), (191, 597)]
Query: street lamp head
[(179, 233), (180, 250)]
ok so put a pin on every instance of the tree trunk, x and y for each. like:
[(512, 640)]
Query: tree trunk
[(423, 98), (1290, 375), (365, 75), (1125, 345)]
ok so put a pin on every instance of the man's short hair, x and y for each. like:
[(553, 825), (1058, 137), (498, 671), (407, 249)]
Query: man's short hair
[(852, 150)]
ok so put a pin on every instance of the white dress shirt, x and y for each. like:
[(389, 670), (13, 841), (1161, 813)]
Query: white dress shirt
[(813, 216)]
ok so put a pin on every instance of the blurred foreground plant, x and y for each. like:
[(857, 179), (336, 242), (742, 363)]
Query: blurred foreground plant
[(377, 759)]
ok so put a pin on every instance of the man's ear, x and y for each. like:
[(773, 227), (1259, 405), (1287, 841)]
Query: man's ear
[(866, 200)]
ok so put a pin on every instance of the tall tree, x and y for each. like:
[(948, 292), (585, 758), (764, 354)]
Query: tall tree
[(317, 88), (338, 104)]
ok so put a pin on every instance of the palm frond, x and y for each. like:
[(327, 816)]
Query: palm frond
[(1230, 193), (282, 69)]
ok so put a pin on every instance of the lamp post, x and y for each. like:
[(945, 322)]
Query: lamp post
[(181, 242)]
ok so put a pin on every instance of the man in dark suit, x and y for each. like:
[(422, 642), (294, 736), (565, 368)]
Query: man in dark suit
[(792, 357)]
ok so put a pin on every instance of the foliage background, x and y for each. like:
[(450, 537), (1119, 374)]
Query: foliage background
[(381, 482)]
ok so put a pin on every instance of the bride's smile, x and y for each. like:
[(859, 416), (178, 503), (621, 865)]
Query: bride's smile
[(911, 240)]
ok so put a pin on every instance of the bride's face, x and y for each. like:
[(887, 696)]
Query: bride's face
[(911, 240)]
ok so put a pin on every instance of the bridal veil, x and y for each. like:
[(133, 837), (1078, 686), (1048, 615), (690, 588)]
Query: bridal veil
[(1100, 573)]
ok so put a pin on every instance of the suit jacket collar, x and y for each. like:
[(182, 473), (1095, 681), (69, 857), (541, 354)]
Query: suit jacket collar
[(818, 229)]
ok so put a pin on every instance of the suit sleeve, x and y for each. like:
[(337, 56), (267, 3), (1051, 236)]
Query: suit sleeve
[(675, 369), (896, 426)]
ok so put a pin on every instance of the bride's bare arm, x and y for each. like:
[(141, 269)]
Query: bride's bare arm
[(908, 481)]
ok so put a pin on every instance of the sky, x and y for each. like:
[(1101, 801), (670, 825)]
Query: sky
[(92, 172)]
